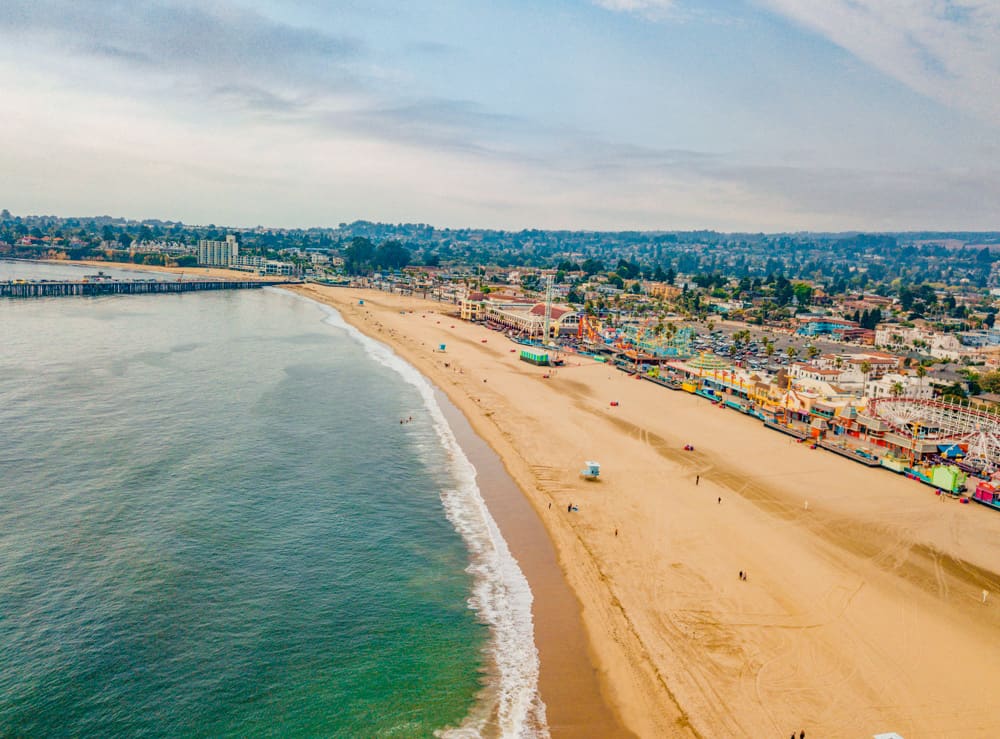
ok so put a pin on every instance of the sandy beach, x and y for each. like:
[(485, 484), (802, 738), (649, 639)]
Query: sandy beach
[(861, 613), (217, 273)]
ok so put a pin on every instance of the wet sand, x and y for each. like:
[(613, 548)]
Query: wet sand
[(568, 678)]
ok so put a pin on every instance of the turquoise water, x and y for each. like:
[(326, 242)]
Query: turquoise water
[(213, 523)]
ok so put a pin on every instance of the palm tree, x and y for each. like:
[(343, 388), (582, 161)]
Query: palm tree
[(812, 351), (897, 389), (866, 367), (791, 352), (769, 348), (921, 374)]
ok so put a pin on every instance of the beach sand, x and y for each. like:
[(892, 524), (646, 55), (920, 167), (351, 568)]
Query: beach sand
[(217, 273), (861, 613)]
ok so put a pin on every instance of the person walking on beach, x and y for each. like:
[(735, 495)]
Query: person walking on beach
[(741, 574), (697, 479), (720, 500), (569, 508)]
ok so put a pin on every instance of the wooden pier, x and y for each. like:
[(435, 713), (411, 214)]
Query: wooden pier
[(54, 289)]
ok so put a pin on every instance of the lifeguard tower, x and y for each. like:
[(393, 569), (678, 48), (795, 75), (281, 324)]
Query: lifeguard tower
[(591, 470)]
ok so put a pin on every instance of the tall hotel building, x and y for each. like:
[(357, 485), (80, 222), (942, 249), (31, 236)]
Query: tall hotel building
[(218, 253)]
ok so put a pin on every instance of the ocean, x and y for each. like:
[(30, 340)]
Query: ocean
[(213, 522)]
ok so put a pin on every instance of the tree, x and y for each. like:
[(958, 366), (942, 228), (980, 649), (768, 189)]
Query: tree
[(391, 255), (803, 293), (358, 256), (866, 367), (897, 389), (990, 382), (791, 351), (592, 266), (812, 351)]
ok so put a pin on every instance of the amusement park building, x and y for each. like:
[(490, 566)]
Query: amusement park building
[(526, 319), (825, 326)]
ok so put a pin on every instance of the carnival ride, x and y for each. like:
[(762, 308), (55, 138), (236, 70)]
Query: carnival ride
[(656, 340), (959, 429), (589, 329)]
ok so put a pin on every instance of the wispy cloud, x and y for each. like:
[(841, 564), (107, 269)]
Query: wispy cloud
[(215, 42), (948, 50), (653, 9)]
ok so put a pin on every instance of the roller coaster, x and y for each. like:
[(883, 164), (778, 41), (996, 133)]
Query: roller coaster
[(972, 431)]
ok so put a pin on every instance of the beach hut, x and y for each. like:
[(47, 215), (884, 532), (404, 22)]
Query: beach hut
[(538, 358), (591, 470)]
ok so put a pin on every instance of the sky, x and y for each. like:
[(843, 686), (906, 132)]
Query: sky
[(734, 115)]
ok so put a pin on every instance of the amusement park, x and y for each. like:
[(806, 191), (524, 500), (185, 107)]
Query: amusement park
[(952, 446)]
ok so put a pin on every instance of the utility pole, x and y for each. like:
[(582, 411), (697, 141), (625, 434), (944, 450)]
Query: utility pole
[(548, 309)]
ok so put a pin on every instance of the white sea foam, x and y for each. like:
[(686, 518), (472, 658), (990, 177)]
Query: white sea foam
[(501, 594)]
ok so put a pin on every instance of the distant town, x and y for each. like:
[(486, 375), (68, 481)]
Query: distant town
[(842, 314)]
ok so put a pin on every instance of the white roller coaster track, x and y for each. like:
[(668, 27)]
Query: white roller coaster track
[(946, 422)]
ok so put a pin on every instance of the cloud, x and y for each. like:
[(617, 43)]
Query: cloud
[(234, 61), (948, 50), (215, 43), (653, 9)]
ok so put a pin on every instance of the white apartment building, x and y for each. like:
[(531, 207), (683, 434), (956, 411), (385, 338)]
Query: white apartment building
[(262, 266), (218, 253), (912, 387)]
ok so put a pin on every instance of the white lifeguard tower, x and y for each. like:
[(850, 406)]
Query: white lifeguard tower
[(591, 470)]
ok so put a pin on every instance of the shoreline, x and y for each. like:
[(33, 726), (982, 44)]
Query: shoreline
[(824, 635), (568, 680), (634, 695)]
